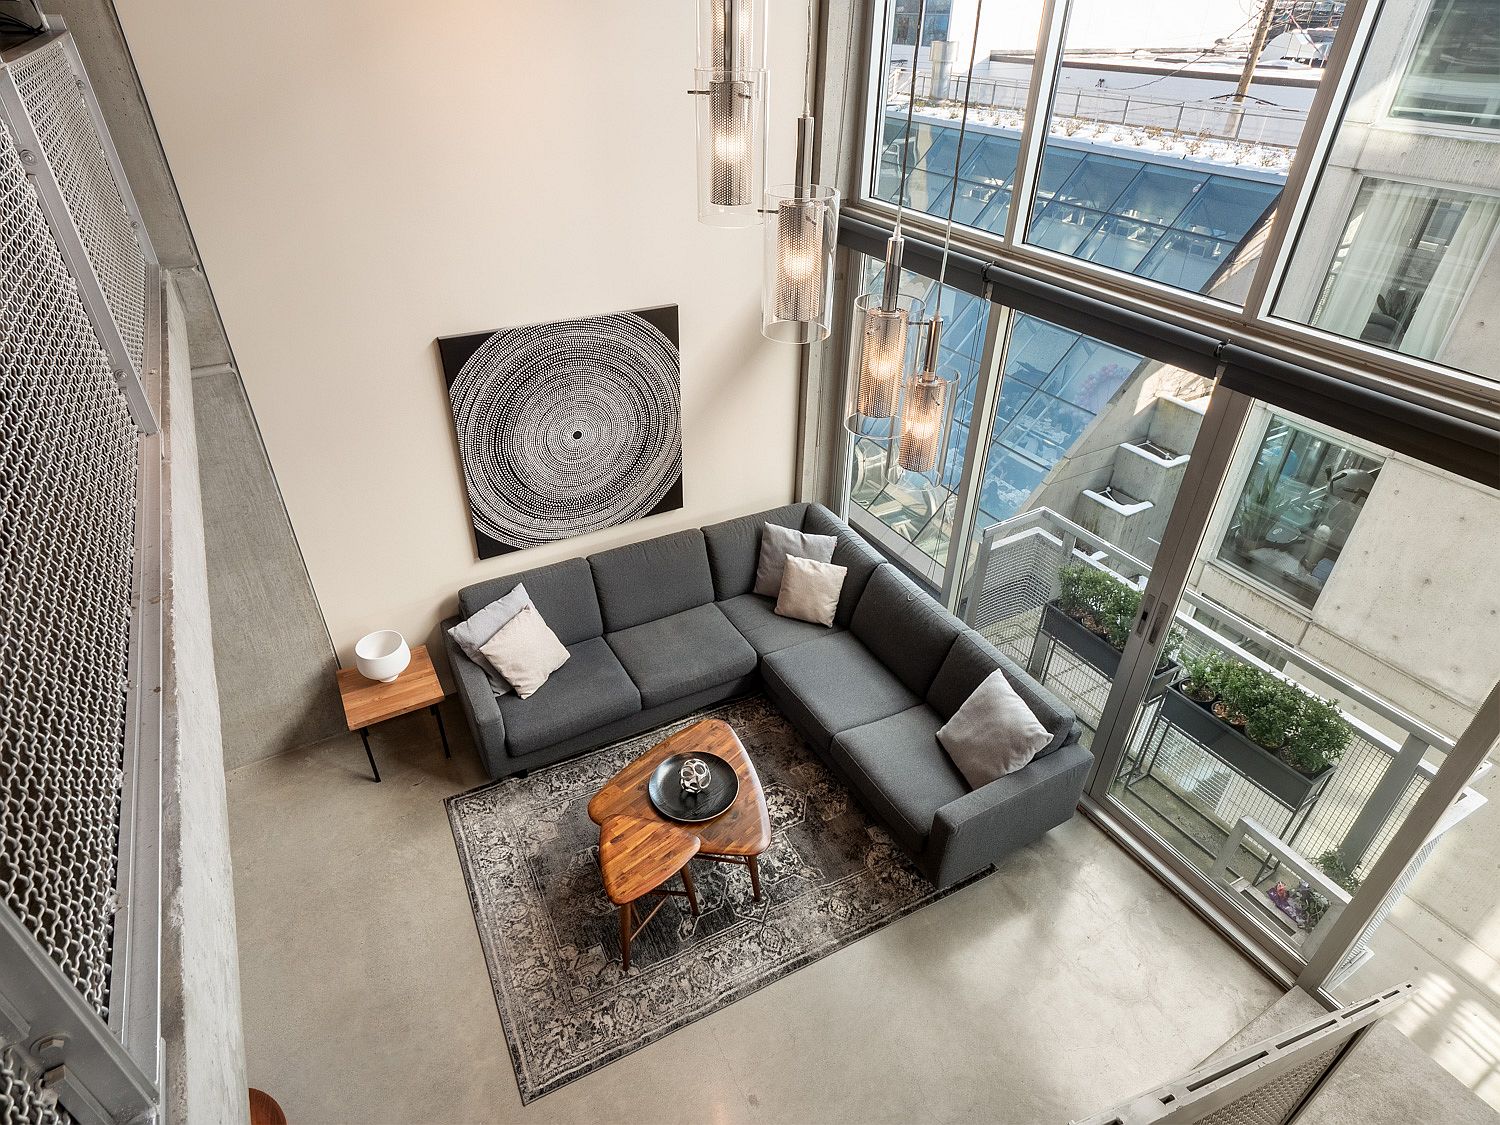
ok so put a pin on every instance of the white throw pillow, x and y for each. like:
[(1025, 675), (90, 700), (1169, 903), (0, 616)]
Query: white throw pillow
[(525, 651), (776, 543), (471, 634), (810, 590), (994, 733)]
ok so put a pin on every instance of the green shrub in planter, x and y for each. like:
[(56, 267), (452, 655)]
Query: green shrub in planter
[(1331, 863), (1107, 605), (1321, 735), (1202, 676)]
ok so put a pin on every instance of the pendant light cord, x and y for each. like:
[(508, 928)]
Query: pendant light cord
[(911, 102), (963, 124)]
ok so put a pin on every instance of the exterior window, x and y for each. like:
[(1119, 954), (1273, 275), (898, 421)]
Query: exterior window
[(1451, 78), (1406, 262), (1298, 505)]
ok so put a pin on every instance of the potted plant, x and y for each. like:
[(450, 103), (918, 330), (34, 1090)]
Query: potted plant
[(1258, 513), (1092, 616), (1198, 683), (1270, 731)]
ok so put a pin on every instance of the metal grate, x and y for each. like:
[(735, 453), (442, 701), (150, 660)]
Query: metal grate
[(1275, 1102), (54, 100), (68, 466), (22, 1099)]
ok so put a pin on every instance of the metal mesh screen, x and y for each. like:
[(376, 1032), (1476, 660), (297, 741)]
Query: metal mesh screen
[(54, 101), (68, 467), (22, 1099), (1276, 1101)]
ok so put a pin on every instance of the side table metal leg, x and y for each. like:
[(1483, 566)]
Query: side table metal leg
[(364, 736), (438, 715)]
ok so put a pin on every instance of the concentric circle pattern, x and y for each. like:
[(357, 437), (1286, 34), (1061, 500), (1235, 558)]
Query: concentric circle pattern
[(568, 427)]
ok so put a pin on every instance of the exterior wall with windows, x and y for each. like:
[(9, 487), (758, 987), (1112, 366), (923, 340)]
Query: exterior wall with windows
[(1397, 247), (1406, 604)]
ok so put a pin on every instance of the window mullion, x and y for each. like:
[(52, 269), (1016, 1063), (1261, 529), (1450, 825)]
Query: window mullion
[(1318, 134), (1038, 117), (976, 452)]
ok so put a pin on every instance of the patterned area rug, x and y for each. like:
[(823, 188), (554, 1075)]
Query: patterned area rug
[(551, 937)]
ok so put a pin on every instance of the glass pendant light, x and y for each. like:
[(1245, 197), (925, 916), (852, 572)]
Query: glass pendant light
[(801, 237), (927, 400), (926, 411), (731, 111), (882, 324)]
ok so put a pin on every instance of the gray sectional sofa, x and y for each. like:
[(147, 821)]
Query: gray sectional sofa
[(659, 629)]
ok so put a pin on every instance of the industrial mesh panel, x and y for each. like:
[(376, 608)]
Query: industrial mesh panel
[(22, 1099), (54, 101), (1276, 1101), (67, 518)]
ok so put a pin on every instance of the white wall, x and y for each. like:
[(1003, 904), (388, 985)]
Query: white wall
[(363, 177)]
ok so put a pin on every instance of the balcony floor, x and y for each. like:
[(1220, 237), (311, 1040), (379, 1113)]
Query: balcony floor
[(1066, 981)]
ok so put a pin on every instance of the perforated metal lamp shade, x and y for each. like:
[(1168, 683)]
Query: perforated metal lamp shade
[(730, 84), (801, 239), (924, 412), (926, 406), (880, 360)]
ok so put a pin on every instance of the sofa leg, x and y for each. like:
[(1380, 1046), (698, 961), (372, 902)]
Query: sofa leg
[(520, 775)]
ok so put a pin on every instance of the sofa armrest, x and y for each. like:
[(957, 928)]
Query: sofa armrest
[(973, 831), (477, 696)]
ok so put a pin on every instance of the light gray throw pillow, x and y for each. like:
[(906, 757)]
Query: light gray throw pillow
[(472, 634), (776, 543), (994, 733), (525, 651), (810, 590)]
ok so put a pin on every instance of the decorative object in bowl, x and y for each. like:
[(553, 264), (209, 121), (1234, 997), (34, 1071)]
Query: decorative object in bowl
[(695, 776), (382, 655)]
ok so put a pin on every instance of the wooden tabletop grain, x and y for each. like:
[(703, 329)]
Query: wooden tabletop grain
[(367, 702), (744, 829)]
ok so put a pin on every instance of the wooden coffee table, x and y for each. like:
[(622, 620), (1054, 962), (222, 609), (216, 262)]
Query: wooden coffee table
[(737, 835)]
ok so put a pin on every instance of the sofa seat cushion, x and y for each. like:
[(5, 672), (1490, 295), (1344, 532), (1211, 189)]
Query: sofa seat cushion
[(767, 632), (832, 684), (591, 689), (899, 769), (681, 654)]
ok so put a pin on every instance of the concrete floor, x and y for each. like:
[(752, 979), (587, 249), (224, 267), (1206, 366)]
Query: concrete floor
[(1068, 980)]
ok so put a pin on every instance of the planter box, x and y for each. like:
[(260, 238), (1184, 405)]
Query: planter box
[(1256, 764), (1096, 652)]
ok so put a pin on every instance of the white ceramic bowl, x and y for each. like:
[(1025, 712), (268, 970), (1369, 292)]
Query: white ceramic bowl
[(381, 655)]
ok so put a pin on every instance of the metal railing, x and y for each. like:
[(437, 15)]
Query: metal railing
[(1204, 120), (80, 609), (1376, 781)]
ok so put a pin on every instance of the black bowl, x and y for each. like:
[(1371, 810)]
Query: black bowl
[(665, 789)]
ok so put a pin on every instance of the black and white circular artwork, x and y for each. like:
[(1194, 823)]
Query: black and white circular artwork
[(567, 427)]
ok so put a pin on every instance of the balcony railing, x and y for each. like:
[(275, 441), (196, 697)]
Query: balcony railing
[(1389, 760)]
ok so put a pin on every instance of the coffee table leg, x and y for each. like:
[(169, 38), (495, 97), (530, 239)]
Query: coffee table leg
[(692, 891), (364, 736), (754, 864), (438, 715), (625, 938)]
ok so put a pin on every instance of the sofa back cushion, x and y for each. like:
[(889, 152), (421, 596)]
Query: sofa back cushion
[(906, 630), (969, 664), (734, 547), (650, 580), (853, 554), (563, 594)]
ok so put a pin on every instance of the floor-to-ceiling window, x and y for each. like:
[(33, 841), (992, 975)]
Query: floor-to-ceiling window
[(1304, 194)]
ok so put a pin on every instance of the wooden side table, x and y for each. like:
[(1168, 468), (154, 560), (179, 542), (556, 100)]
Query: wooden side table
[(367, 702)]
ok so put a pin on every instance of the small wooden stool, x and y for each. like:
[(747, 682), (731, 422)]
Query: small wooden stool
[(635, 858)]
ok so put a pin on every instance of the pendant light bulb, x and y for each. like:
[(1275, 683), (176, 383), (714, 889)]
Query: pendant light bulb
[(883, 325)]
